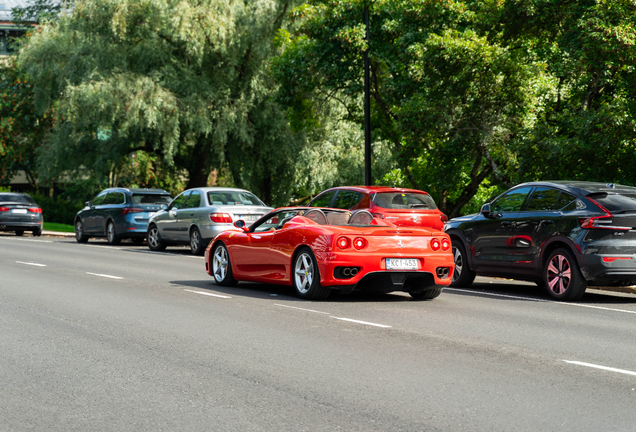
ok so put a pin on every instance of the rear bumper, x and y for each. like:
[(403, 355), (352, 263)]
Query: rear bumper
[(27, 226), (615, 268)]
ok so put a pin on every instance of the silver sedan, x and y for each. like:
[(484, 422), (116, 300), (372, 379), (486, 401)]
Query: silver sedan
[(197, 215)]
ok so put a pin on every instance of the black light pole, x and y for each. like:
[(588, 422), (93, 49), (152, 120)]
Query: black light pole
[(367, 104)]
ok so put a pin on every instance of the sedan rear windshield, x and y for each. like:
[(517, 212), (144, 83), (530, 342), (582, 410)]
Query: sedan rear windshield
[(616, 203), (404, 200), (151, 199), (233, 198), (17, 198)]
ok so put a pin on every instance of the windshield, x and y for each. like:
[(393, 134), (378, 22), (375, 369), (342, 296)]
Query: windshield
[(404, 200), (233, 198), (19, 198), (151, 199)]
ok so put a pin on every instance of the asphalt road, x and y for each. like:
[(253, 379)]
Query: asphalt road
[(101, 338)]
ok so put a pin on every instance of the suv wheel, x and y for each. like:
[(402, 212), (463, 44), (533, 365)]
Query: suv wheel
[(111, 234), (463, 276), (562, 276)]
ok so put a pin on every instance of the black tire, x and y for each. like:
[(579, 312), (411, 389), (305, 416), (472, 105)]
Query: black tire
[(221, 266), (426, 295), (111, 234), (153, 239), (137, 240), (306, 277), (19, 233), (463, 276), (196, 242), (37, 232), (80, 236), (563, 277)]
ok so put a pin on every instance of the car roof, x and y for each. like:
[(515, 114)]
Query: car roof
[(375, 189), (138, 190), (583, 188), (221, 189)]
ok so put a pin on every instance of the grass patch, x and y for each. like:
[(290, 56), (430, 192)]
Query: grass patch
[(52, 226)]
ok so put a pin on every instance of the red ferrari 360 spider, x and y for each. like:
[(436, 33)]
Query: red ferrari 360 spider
[(319, 250)]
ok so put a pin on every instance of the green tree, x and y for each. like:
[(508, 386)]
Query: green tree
[(183, 81)]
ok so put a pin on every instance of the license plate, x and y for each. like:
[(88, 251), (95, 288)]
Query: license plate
[(20, 211), (401, 264), (249, 218)]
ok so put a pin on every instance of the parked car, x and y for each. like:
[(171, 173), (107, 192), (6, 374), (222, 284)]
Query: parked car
[(565, 235), (401, 207), (197, 215), (119, 213), (20, 213), (320, 250)]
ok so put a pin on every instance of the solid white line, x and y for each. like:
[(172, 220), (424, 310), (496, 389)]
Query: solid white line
[(623, 371), (542, 300), (26, 239), (361, 322), (306, 310), (31, 264), (208, 294), (104, 275)]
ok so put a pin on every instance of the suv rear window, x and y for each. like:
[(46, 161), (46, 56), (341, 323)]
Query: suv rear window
[(616, 203), (404, 200), (151, 199)]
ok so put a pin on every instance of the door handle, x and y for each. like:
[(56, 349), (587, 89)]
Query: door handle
[(546, 222), (508, 224)]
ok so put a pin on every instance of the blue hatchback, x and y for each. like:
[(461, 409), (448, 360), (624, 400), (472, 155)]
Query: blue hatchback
[(119, 213)]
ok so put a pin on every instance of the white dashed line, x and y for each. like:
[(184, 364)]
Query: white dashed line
[(104, 275), (208, 294), (361, 322), (610, 369), (302, 309), (541, 300), (31, 264)]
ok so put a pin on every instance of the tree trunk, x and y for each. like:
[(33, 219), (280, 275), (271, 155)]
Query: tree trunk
[(199, 170)]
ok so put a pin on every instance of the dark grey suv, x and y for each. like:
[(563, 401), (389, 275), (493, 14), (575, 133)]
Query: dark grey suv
[(565, 235), (119, 213)]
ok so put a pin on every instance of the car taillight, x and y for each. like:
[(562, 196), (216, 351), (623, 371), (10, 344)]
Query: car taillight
[(131, 210), (435, 244), (343, 242), (359, 243), (220, 218), (3, 209), (445, 244), (443, 217), (35, 210), (600, 222)]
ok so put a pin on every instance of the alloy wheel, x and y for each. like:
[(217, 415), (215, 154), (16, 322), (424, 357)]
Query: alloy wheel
[(304, 272), (220, 264), (111, 232), (559, 274), (153, 237), (194, 240), (459, 263)]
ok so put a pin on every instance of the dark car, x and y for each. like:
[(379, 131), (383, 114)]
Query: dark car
[(400, 207), (20, 213), (119, 213), (565, 235)]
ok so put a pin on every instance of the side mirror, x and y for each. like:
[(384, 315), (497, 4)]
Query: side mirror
[(485, 210), (87, 203), (163, 206), (241, 224)]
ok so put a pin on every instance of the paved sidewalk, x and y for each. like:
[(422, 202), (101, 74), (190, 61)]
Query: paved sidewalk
[(58, 233)]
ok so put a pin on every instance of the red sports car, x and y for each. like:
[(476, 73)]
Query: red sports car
[(399, 206), (319, 250)]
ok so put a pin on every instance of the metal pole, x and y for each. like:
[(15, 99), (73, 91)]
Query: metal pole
[(367, 104)]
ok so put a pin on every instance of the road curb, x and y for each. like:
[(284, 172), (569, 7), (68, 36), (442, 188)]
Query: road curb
[(58, 234)]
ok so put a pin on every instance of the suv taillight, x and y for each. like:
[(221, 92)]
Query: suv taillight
[(131, 210), (220, 218), (3, 209), (600, 222)]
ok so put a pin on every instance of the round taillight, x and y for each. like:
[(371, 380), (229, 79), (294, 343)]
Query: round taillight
[(359, 243), (435, 244), (343, 242), (446, 244)]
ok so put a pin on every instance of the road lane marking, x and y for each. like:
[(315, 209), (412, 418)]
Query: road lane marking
[(361, 322), (541, 300), (31, 264), (208, 294), (302, 309), (104, 275), (623, 371), (26, 239)]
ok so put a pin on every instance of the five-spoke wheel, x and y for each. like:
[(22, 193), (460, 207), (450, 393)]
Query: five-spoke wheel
[(80, 236), (196, 243), (153, 238), (306, 276), (221, 266)]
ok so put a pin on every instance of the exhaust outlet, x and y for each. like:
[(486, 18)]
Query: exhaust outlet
[(443, 272)]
